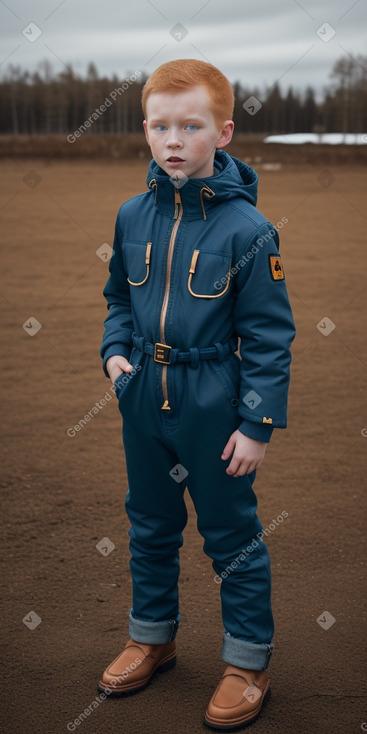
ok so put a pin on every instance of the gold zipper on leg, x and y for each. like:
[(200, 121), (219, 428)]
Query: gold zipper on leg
[(177, 216)]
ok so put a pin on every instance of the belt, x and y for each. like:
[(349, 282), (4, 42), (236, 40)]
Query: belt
[(164, 354)]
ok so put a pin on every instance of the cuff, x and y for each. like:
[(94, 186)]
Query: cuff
[(258, 431), (244, 654), (123, 350), (153, 633)]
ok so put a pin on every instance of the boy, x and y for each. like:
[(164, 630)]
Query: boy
[(196, 266)]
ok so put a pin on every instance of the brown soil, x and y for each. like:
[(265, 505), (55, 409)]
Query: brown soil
[(62, 495)]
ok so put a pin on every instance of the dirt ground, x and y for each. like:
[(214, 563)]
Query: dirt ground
[(62, 494)]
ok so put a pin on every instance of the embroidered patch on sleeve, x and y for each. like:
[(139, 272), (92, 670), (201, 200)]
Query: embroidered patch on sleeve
[(276, 267)]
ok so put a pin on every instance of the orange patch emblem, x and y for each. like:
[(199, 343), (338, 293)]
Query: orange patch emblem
[(276, 267)]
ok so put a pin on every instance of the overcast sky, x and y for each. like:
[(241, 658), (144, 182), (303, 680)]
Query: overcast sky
[(295, 42)]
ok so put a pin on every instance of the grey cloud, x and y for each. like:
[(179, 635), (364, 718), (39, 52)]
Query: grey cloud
[(254, 43)]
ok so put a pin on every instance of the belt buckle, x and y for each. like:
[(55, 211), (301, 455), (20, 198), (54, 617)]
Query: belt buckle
[(161, 353)]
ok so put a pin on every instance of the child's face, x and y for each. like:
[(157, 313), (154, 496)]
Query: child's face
[(182, 133)]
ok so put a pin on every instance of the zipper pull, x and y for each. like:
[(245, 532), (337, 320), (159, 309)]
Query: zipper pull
[(177, 203), (147, 253), (166, 406)]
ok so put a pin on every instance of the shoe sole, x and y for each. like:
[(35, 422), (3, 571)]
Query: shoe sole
[(238, 724), (113, 692)]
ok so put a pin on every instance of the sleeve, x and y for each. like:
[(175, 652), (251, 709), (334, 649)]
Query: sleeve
[(118, 326), (264, 322)]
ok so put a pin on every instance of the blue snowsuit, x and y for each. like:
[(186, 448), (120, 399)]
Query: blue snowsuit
[(195, 266)]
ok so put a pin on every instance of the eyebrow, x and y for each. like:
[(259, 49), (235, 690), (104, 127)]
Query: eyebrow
[(154, 120)]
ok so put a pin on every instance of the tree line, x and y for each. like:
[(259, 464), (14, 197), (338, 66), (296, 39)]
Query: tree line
[(42, 103)]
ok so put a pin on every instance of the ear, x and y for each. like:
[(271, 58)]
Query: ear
[(146, 131), (225, 134)]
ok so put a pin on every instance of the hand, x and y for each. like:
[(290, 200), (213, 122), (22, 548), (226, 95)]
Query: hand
[(116, 365), (248, 454)]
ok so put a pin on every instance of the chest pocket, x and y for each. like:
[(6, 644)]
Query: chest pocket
[(209, 274), (137, 261)]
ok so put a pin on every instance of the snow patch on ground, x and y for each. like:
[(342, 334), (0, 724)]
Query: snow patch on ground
[(328, 138)]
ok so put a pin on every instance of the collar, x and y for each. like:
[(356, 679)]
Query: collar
[(232, 179), (194, 196)]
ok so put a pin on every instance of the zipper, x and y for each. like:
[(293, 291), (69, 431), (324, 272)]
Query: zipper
[(177, 216)]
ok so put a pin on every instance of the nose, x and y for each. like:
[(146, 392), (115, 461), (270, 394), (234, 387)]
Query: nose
[(173, 139)]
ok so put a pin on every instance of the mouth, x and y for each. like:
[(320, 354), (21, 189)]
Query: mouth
[(175, 159)]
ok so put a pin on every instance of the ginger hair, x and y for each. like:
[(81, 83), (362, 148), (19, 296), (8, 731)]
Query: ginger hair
[(179, 75)]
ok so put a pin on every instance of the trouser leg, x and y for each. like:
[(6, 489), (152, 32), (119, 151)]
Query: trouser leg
[(226, 509), (158, 515)]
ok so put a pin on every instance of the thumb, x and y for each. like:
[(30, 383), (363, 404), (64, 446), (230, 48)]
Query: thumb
[(124, 364), (228, 449)]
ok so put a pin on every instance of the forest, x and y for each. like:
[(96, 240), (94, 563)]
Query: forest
[(42, 103)]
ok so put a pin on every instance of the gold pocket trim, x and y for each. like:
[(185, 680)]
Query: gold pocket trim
[(147, 262), (194, 260)]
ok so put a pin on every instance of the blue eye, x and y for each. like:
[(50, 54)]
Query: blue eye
[(194, 127)]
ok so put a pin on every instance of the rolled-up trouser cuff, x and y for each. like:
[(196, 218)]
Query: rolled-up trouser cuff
[(246, 654), (152, 633)]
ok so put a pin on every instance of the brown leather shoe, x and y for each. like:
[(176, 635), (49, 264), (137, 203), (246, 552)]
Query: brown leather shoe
[(135, 667), (238, 699)]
